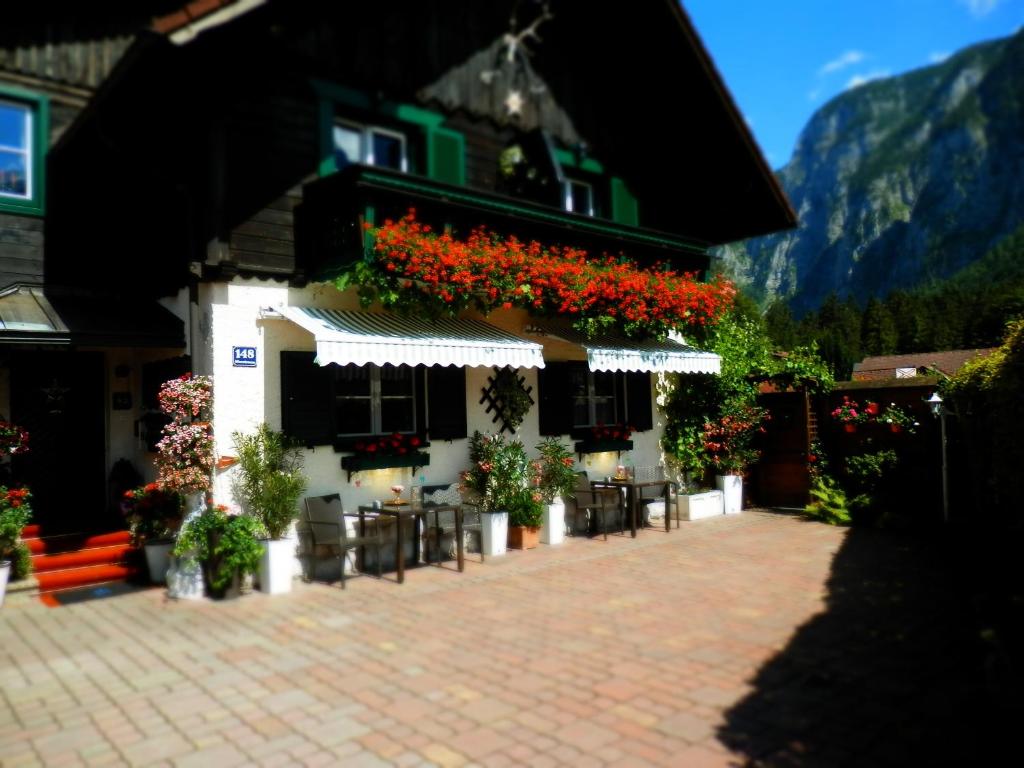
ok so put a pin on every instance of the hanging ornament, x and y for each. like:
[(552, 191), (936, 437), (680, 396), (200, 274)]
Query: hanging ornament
[(512, 62)]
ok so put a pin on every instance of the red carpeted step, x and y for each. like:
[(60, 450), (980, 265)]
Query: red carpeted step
[(81, 557), (30, 532), (71, 542), (80, 577)]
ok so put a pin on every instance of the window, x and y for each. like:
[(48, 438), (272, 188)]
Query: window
[(593, 398), (370, 145), (339, 405), (23, 132), (579, 197), (374, 400), (572, 399)]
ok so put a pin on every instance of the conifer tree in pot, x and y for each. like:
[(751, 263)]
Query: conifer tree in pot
[(270, 484)]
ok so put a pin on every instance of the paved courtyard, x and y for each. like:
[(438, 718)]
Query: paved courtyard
[(716, 644)]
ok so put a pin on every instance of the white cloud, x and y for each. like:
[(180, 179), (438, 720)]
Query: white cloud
[(937, 57), (866, 77), (844, 60), (979, 8)]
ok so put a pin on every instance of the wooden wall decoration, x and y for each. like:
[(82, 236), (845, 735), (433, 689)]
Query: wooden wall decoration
[(507, 395)]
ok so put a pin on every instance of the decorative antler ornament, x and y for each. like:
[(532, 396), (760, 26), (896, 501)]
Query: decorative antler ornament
[(512, 60)]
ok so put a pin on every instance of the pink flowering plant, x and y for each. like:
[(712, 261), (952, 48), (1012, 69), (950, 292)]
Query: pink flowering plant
[(848, 412), (187, 397), (554, 471), (503, 479), (185, 453), (185, 457)]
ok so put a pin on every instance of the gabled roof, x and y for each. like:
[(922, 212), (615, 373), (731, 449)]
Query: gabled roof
[(638, 84), (886, 366)]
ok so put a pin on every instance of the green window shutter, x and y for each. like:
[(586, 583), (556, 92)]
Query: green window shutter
[(624, 208), (554, 396), (446, 156), (446, 402), (306, 399), (638, 400)]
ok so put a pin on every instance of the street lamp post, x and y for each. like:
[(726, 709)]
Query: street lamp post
[(939, 410)]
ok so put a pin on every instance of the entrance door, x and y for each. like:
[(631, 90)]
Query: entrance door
[(780, 477), (59, 397)]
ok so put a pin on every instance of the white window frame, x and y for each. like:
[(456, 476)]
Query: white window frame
[(366, 141), (28, 150), (376, 401), (567, 197), (592, 397)]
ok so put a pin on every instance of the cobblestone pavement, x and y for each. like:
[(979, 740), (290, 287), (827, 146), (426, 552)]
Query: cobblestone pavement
[(625, 652)]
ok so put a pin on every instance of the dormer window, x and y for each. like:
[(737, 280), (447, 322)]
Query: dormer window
[(578, 197), (24, 131), (371, 145), (15, 151)]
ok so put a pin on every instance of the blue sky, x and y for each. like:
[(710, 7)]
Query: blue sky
[(783, 59)]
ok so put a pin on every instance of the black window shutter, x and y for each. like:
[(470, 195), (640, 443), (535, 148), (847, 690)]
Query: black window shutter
[(554, 397), (638, 400), (420, 379), (446, 402), (306, 399)]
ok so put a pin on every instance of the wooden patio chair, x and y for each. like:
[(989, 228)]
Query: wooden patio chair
[(325, 525)]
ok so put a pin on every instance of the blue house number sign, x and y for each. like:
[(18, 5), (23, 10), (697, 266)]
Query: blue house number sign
[(243, 357)]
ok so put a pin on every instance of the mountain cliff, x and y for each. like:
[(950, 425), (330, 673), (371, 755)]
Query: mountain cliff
[(898, 183)]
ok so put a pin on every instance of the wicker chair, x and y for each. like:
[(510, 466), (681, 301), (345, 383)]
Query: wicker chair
[(324, 524)]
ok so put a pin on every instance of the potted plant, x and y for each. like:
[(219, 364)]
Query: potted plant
[(728, 442), (556, 477), (226, 546), (850, 414), (270, 486), (499, 471), (15, 512), (525, 515), (897, 419), (185, 465), (153, 514)]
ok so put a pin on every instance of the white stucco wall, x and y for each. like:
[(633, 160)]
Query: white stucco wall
[(243, 397)]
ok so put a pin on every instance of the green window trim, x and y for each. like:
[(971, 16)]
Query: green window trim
[(40, 109), (445, 149)]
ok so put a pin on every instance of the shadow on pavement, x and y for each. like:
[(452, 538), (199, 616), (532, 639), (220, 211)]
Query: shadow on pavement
[(914, 662)]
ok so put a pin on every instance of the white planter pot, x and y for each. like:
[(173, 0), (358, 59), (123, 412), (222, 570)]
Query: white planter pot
[(5, 572), (158, 560), (495, 533), (185, 578), (698, 506), (277, 566), (732, 487), (552, 530)]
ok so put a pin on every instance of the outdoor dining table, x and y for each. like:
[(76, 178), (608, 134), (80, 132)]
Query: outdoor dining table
[(633, 487), (404, 512)]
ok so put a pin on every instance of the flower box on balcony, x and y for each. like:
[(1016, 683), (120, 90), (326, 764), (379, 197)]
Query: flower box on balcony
[(363, 461), (601, 446)]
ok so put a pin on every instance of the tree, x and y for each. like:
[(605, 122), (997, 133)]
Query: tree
[(780, 325), (878, 330)]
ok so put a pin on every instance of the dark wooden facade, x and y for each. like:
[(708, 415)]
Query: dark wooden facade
[(206, 156)]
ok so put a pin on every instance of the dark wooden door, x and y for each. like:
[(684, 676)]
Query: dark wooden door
[(780, 477), (59, 398)]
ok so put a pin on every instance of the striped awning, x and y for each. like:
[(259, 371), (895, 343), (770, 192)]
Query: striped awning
[(348, 336), (608, 352)]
